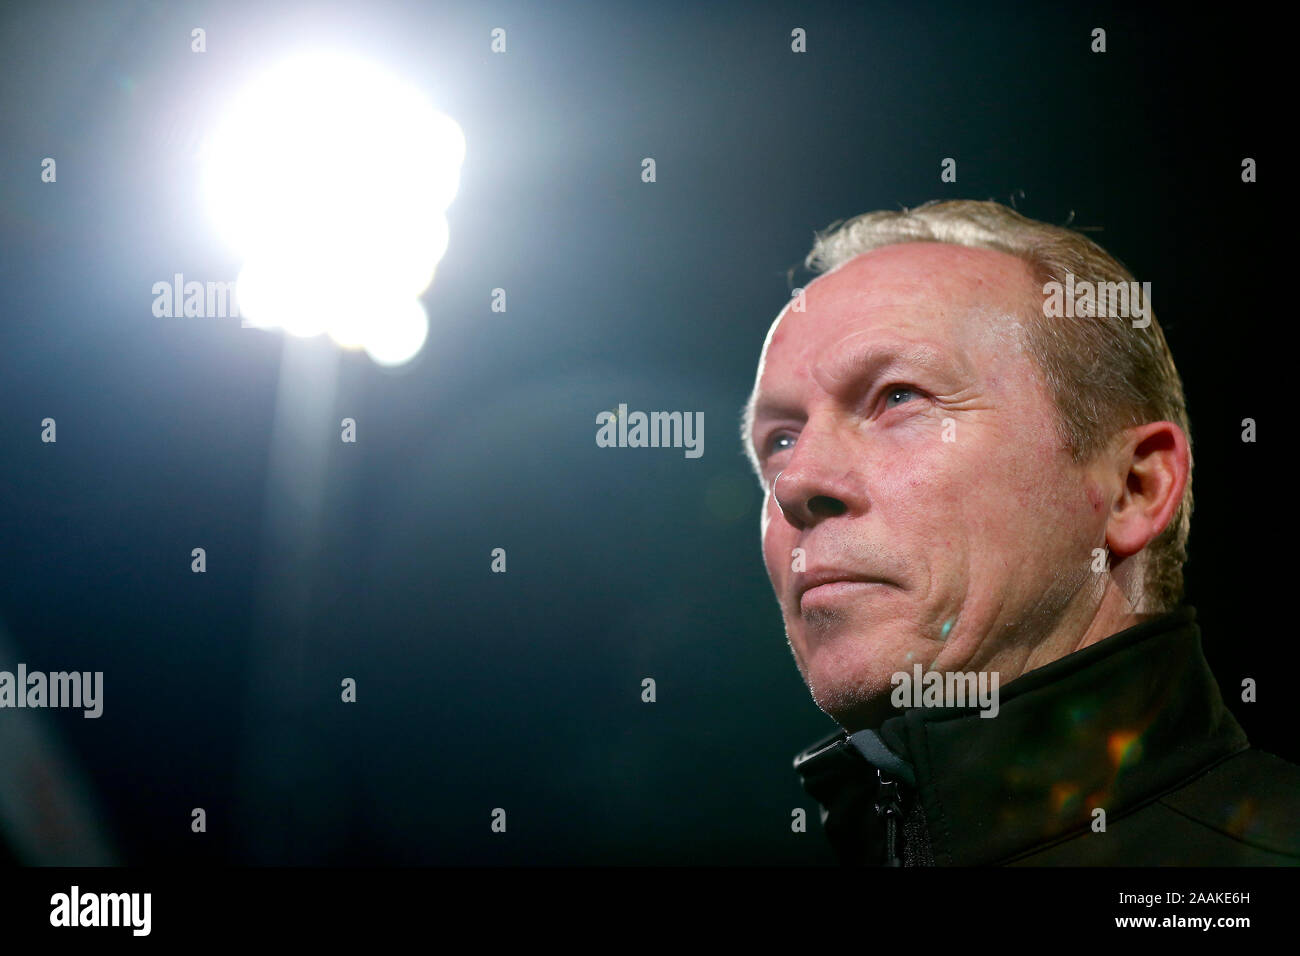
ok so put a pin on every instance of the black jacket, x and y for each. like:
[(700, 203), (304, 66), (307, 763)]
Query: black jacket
[(1133, 725)]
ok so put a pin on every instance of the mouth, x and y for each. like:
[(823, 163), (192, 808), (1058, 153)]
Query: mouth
[(823, 587)]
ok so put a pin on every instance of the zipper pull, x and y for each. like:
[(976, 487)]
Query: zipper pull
[(889, 807)]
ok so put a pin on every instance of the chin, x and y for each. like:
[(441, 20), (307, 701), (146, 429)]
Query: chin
[(861, 699), (851, 675), (855, 715)]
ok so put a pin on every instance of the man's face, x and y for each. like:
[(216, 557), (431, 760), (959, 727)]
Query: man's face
[(917, 454)]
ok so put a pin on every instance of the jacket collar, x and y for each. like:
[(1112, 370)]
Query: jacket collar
[(1112, 726)]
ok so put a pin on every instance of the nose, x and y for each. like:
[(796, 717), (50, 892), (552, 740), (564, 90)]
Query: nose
[(818, 482)]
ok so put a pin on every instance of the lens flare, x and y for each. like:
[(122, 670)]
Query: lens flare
[(331, 178)]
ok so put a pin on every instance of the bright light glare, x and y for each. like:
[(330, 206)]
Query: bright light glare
[(404, 329), (332, 179)]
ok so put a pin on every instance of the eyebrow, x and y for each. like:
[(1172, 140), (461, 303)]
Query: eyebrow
[(749, 415), (861, 367), (856, 369), (767, 408)]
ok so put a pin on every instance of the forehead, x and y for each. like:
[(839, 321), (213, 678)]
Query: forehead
[(956, 301)]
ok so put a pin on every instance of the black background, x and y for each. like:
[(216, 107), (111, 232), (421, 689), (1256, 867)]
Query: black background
[(522, 690)]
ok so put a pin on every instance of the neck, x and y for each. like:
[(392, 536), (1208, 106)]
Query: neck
[(1082, 625)]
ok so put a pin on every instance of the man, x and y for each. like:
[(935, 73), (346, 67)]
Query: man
[(978, 495)]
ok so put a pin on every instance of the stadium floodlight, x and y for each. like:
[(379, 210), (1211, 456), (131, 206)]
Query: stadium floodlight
[(331, 178)]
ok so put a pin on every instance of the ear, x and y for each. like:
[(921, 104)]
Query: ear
[(1153, 463)]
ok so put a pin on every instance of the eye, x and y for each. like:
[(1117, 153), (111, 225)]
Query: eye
[(895, 391), (772, 446)]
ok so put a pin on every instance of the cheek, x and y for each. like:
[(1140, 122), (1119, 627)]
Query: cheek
[(1048, 507), (980, 496), (1093, 491), (771, 525), (930, 486)]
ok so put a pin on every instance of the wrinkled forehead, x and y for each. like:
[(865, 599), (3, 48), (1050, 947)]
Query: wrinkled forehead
[(969, 302)]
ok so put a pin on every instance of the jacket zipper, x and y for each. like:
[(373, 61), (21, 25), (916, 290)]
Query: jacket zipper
[(889, 806)]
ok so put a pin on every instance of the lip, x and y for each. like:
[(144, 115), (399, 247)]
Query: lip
[(822, 578)]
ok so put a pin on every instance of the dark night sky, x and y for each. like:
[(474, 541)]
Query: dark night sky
[(521, 690)]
